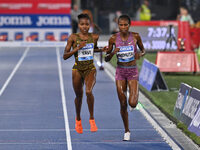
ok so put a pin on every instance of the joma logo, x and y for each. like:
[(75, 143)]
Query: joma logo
[(15, 20), (46, 20)]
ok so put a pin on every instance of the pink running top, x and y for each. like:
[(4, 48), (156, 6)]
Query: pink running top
[(127, 48)]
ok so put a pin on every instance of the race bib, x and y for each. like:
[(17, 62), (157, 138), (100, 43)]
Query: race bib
[(126, 53), (86, 53)]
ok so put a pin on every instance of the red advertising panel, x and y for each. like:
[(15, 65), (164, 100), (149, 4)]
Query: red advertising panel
[(184, 33), (195, 37), (35, 20), (35, 6), (177, 62), (154, 23)]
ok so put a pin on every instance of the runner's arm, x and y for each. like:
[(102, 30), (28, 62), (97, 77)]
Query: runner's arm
[(140, 45), (96, 48), (109, 53), (68, 53)]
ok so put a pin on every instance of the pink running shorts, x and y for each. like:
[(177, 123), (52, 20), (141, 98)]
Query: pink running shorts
[(126, 73)]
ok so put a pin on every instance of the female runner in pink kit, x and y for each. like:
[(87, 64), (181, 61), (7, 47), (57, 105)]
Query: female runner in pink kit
[(125, 43)]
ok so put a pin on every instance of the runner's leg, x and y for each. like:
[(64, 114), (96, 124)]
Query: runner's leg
[(121, 91), (133, 93), (90, 81), (78, 89)]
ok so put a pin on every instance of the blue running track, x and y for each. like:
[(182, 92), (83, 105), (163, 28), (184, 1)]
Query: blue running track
[(32, 113)]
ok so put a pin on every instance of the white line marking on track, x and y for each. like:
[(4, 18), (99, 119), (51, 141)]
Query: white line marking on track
[(159, 129), (39, 143), (120, 142), (14, 71), (153, 122), (61, 130), (111, 130), (32, 130), (69, 144)]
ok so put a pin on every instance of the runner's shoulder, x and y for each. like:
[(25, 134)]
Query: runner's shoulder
[(113, 38), (136, 35), (73, 37), (95, 36)]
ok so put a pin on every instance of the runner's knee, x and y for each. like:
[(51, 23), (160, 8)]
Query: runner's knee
[(133, 104), (88, 93), (134, 101)]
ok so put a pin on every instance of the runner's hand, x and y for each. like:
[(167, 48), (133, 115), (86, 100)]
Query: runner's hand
[(116, 50), (82, 44), (105, 49), (138, 55)]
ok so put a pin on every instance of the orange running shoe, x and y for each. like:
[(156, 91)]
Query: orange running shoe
[(78, 127), (93, 127)]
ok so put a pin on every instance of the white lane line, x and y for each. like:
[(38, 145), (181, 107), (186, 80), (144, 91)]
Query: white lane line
[(69, 144), (61, 130), (173, 145), (111, 130), (168, 139), (86, 143), (14, 71), (39, 143)]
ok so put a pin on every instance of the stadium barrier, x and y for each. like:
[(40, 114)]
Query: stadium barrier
[(42, 44)]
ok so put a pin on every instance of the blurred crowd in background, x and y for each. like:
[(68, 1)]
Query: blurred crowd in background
[(105, 12)]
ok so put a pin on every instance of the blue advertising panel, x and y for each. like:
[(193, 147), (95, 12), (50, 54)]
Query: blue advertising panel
[(34, 36), (64, 36), (187, 104), (191, 106), (3, 36), (147, 74), (195, 124), (49, 36), (183, 95), (35, 21), (19, 36)]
